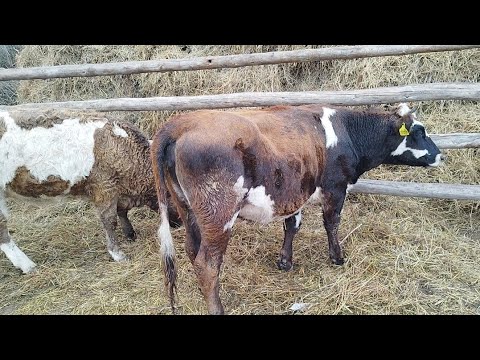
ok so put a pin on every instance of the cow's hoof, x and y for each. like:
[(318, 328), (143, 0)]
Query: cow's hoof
[(30, 269), (284, 264), (118, 255), (131, 235), (337, 261)]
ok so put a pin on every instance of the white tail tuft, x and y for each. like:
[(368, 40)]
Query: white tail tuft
[(164, 236)]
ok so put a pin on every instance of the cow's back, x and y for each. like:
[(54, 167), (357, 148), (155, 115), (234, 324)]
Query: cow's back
[(55, 153), (46, 156), (122, 163), (279, 148)]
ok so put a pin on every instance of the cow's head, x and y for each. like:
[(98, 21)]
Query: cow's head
[(413, 145)]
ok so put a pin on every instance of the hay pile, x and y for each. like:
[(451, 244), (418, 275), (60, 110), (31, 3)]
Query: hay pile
[(403, 256)]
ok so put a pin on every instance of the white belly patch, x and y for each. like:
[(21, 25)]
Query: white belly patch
[(259, 206)]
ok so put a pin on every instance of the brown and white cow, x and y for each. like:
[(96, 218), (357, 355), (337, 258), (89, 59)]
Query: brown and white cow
[(51, 153), (266, 164)]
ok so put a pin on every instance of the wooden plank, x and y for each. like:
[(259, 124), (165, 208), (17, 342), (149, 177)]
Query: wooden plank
[(408, 93), (456, 140), (216, 62), (427, 190)]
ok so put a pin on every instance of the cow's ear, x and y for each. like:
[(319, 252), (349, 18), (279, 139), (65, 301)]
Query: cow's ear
[(402, 126), (403, 109), (413, 111)]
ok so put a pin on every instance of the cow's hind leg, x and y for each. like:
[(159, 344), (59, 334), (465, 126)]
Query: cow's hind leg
[(126, 225), (193, 237), (215, 214), (180, 212), (215, 229), (8, 246), (174, 218), (107, 211), (291, 225), (207, 268), (205, 246), (206, 256)]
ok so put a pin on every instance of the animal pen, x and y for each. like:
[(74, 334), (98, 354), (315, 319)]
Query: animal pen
[(323, 288)]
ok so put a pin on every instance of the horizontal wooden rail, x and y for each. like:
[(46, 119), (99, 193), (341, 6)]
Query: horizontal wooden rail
[(407, 93), (457, 140), (427, 190), (216, 62)]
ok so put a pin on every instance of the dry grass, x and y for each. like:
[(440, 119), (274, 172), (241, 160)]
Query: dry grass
[(403, 256), (8, 89)]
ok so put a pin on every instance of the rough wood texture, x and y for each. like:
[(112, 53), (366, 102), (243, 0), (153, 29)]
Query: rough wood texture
[(385, 95), (428, 190), (216, 62), (457, 140)]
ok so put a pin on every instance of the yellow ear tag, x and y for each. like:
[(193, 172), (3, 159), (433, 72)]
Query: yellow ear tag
[(403, 130)]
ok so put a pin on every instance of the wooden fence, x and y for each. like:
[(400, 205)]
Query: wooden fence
[(217, 62), (410, 93), (422, 92)]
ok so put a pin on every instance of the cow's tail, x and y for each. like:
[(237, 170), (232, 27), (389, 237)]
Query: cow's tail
[(159, 148)]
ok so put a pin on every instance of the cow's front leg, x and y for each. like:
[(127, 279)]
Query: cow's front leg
[(8, 246), (291, 225), (332, 207)]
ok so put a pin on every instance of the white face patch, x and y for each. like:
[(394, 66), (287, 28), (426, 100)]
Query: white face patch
[(402, 109), (330, 136), (437, 162), (316, 197), (403, 148), (229, 224), (166, 242), (17, 257), (298, 219), (119, 131), (259, 206), (118, 255), (64, 150)]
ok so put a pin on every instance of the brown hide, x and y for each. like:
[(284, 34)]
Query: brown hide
[(264, 165), (278, 148), (201, 157)]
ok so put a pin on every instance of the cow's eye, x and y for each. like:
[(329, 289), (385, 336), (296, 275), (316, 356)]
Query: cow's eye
[(420, 132)]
